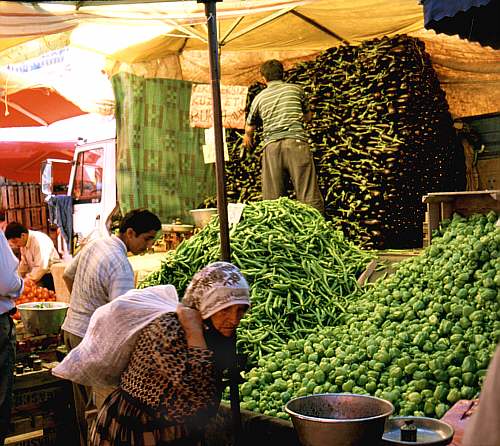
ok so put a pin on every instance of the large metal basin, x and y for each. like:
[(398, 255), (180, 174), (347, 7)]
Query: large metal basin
[(40, 318), (339, 419), (201, 217)]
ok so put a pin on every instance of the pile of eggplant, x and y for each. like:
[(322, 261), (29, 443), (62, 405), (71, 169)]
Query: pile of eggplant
[(382, 137)]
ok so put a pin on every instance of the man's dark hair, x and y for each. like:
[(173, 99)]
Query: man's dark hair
[(3, 215), (141, 221), (272, 70), (14, 230)]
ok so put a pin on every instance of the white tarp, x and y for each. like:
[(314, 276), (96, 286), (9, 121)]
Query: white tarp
[(105, 350), (169, 39)]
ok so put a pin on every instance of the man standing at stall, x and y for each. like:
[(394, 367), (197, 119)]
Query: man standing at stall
[(100, 273), (37, 253), (11, 287), (283, 109)]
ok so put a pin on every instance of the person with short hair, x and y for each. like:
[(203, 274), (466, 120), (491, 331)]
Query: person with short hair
[(37, 253), (99, 273), (283, 110), (11, 287), (173, 384)]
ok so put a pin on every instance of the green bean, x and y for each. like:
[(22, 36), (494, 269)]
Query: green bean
[(301, 270)]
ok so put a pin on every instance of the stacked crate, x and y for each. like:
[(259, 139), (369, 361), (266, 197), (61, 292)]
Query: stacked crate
[(25, 204)]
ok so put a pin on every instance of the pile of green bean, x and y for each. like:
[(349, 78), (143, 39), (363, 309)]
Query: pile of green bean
[(381, 136), (302, 271)]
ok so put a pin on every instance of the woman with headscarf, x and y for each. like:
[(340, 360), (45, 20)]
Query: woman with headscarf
[(173, 383)]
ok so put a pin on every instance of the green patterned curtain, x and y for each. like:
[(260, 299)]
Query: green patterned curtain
[(159, 157)]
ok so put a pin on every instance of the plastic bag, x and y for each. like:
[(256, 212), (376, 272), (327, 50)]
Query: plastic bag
[(104, 352)]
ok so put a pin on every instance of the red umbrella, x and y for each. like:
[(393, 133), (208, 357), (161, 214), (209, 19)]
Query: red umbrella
[(35, 106)]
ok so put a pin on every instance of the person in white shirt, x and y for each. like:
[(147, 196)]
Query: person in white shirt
[(100, 273), (37, 253), (11, 287)]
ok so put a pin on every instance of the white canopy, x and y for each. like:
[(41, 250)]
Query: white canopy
[(168, 39)]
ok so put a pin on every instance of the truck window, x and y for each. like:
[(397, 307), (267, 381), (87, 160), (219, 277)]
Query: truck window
[(87, 186)]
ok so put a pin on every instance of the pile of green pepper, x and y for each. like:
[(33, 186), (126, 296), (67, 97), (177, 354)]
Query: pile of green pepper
[(381, 135), (421, 338), (301, 270)]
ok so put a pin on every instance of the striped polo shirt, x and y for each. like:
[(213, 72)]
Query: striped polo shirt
[(281, 107)]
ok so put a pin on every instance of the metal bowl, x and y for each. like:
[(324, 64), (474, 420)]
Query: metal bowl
[(430, 432), (339, 419), (201, 217), (40, 318)]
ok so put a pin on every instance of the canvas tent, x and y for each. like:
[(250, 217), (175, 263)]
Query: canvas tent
[(169, 39)]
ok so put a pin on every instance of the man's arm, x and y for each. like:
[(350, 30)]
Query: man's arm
[(121, 280), (248, 136), (40, 262), (70, 272), (250, 124), (10, 283), (306, 110)]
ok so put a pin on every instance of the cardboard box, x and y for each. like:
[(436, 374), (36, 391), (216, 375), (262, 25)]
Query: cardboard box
[(489, 173)]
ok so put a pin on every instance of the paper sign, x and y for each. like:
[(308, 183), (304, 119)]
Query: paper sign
[(209, 147), (233, 103), (234, 212)]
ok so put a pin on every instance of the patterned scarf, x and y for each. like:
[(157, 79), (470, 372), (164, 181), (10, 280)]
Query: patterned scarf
[(215, 287)]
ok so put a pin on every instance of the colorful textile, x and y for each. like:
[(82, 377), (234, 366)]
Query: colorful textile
[(215, 287), (159, 156), (168, 392)]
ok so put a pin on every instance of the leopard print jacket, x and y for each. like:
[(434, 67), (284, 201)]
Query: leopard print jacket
[(167, 376)]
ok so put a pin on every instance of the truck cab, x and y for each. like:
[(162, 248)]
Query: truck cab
[(92, 186)]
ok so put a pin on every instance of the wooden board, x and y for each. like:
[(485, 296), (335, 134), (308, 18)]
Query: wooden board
[(442, 206)]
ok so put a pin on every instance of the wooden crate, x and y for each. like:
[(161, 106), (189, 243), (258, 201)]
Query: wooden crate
[(35, 195), (36, 221), (4, 203), (385, 264), (12, 197), (21, 202), (442, 205), (42, 412), (15, 215), (27, 217)]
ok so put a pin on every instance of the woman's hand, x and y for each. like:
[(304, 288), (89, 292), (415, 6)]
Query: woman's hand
[(192, 324)]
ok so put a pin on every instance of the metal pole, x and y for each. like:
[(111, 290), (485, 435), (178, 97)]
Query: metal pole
[(213, 50), (210, 12)]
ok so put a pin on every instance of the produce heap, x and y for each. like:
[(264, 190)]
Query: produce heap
[(301, 270), (34, 293), (381, 135), (421, 338)]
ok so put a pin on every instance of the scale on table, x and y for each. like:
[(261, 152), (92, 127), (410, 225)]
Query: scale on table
[(175, 233)]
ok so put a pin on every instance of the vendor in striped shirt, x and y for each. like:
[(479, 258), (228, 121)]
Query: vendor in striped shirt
[(283, 110), (98, 274)]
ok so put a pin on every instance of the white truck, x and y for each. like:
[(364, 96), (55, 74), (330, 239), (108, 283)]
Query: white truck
[(92, 185)]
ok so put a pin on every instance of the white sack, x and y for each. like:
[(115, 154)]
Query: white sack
[(104, 352)]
